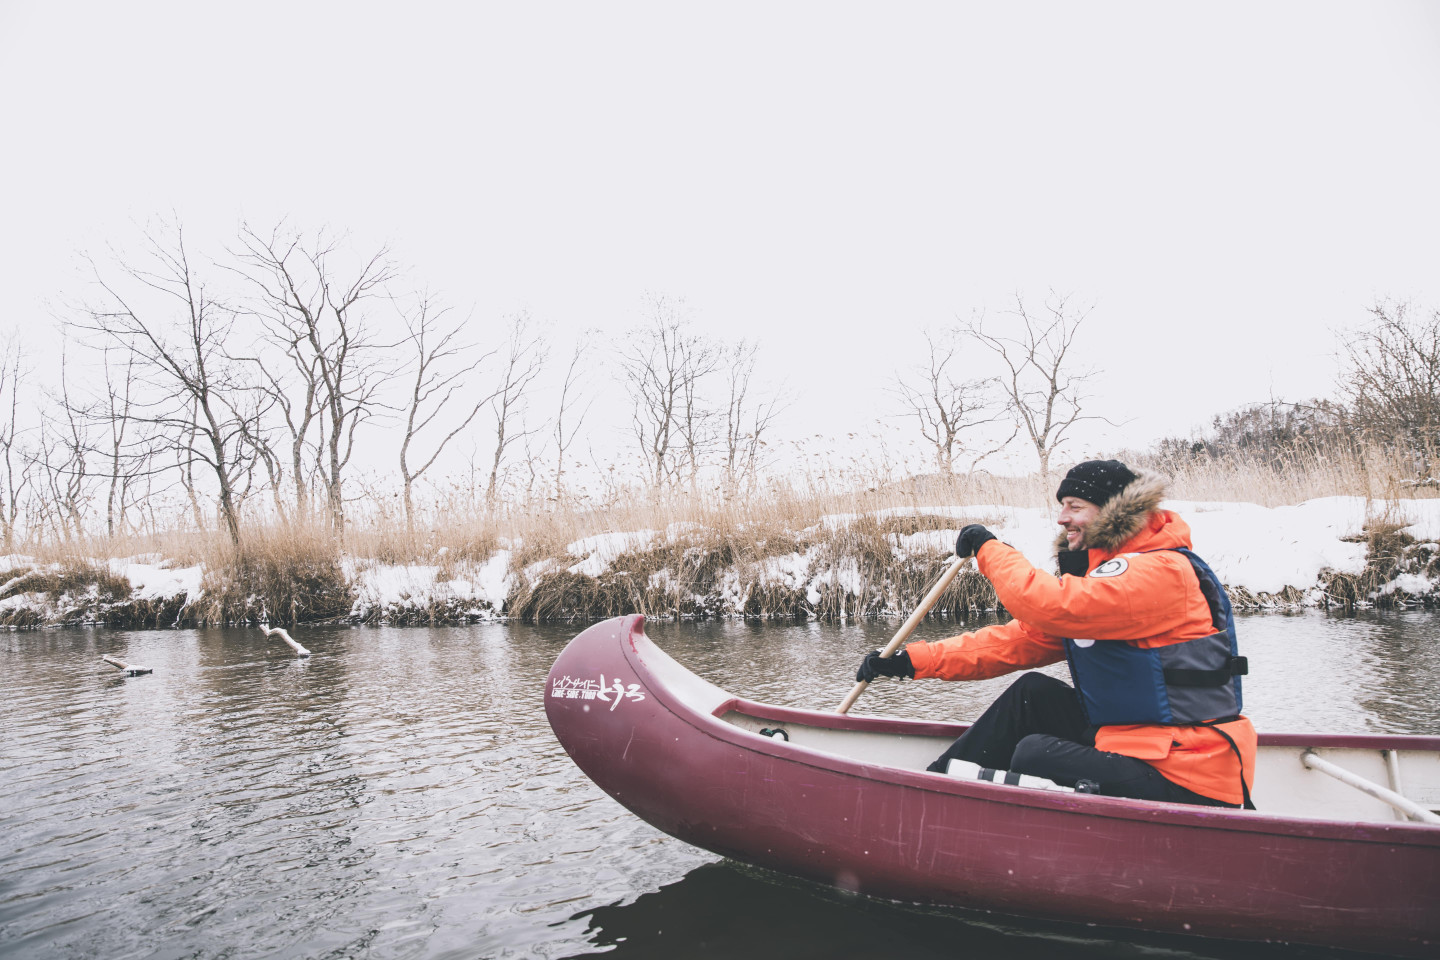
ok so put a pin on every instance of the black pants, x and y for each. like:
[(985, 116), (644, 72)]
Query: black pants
[(1037, 727)]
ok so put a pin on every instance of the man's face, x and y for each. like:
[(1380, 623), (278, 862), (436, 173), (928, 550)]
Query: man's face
[(1075, 516)]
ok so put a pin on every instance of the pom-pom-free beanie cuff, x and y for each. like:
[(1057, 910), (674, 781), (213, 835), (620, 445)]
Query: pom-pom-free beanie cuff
[(1095, 480)]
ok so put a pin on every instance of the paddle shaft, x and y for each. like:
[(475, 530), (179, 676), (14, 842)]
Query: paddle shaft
[(906, 629), (1404, 804)]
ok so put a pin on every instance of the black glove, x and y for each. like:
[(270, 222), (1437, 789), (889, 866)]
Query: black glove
[(875, 665), (971, 539)]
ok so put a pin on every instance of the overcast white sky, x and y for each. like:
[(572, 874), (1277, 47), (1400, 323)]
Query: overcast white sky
[(1227, 182)]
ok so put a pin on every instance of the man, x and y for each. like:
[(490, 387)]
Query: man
[(1155, 710)]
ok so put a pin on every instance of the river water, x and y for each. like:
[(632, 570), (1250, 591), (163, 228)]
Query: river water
[(400, 795)]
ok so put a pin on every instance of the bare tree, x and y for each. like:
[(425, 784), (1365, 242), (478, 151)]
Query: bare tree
[(259, 435), (51, 465), (16, 476), (946, 408), (525, 353), (64, 457), (470, 485), (185, 460), (196, 392), (442, 365), (263, 469), (695, 423), (747, 418), (318, 322), (1039, 378), (294, 391), (99, 437), (571, 394), (144, 502), (533, 451), (129, 448), (1393, 379), (663, 363)]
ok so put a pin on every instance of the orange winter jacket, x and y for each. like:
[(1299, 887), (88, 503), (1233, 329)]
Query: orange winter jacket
[(1154, 602)]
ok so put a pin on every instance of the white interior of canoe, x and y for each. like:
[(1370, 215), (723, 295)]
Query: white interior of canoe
[(1284, 786)]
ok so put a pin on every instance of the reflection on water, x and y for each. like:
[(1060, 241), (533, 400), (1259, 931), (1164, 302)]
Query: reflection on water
[(726, 910), (400, 794), (1401, 653)]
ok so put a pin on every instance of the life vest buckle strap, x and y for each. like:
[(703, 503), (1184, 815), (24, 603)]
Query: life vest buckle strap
[(1217, 721), (1181, 677)]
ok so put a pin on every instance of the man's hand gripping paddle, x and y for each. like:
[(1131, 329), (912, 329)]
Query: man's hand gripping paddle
[(907, 628)]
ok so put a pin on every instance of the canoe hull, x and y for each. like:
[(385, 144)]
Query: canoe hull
[(651, 736)]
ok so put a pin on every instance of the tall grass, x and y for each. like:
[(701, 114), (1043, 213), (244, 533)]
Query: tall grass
[(706, 545), (543, 528), (1305, 473)]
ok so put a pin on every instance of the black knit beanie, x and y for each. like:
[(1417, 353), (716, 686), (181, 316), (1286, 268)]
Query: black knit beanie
[(1095, 480)]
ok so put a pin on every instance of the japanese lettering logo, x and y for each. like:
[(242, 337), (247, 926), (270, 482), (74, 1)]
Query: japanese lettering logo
[(580, 688)]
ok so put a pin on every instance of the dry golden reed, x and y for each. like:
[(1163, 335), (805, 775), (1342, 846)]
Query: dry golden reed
[(708, 555)]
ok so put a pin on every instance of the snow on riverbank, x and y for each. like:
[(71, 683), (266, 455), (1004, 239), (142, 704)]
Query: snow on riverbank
[(829, 566), (854, 564), (34, 593), (1259, 549), (152, 579), (463, 589)]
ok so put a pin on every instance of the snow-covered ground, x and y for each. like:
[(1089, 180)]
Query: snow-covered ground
[(476, 590), (151, 579), (1261, 550), (37, 592)]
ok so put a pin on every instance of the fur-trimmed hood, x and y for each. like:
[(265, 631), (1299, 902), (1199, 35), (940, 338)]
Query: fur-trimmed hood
[(1125, 515)]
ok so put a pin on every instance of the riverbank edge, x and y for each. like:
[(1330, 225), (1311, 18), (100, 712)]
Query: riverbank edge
[(873, 567)]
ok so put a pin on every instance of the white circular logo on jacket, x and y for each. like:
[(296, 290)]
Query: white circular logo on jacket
[(1111, 568)]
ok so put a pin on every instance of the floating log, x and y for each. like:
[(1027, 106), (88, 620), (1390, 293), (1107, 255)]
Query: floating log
[(280, 632), (130, 669)]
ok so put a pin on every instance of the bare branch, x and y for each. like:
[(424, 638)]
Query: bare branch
[(1044, 389), (1392, 379), (664, 364), (525, 353), (442, 366), (947, 409), (571, 393), (747, 419)]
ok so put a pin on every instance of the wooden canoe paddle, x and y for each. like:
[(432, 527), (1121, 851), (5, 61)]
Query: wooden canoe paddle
[(906, 628)]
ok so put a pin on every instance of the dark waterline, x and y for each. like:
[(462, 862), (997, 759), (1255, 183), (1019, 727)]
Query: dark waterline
[(400, 795)]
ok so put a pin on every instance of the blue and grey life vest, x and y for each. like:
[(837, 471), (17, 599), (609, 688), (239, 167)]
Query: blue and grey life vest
[(1180, 684)]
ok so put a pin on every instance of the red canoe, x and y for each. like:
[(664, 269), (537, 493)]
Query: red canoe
[(846, 801)]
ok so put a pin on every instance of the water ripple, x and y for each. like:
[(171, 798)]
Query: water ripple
[(400, 794)]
